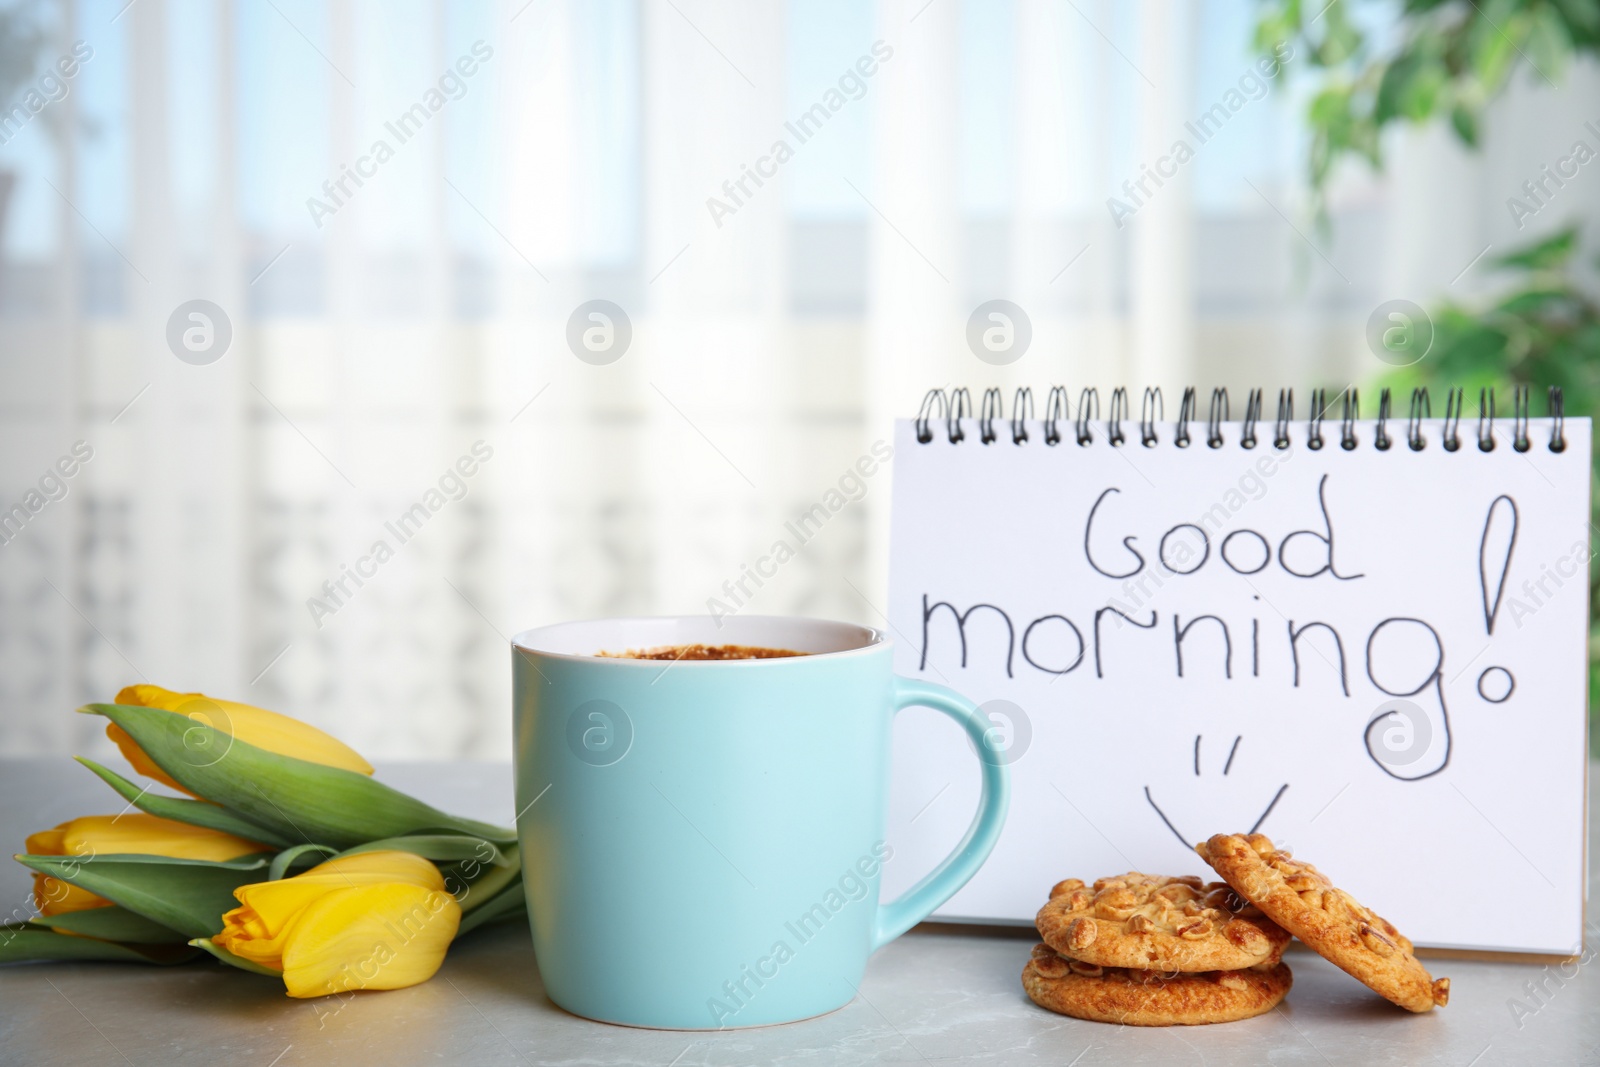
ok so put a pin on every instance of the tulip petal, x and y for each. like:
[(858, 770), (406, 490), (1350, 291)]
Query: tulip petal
[(387, 865), (273, 905), (47, 843), (130, 750), (264, 729), (386, 936), (193, 812), (187, 895), (138, 833), (268, 908), (243, 935), (302, 801), (52, 896)]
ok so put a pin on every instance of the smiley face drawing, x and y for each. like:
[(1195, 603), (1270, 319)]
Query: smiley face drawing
[(1239, 808)]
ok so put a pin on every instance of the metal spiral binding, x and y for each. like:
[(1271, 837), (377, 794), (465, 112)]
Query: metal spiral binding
[(1152, 402), (1219, 403), (993, 408), (1252, 415), (1454, 401), (1021, 414), (1421, 408), (1280, 435), (1118, 413), (925, 414), (1558, 418), (1319, 405), (960, 408), (1056, 409), (1186, 411), (1347, 419), (956, 405), (1485, 428), (1519, 418), (1090, 396)]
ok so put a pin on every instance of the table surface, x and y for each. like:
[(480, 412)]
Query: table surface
[(940, 994)]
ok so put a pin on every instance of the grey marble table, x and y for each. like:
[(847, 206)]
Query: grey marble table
[(939, 995)]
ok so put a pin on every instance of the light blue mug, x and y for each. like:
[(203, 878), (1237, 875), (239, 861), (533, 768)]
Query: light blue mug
[(702, 840)]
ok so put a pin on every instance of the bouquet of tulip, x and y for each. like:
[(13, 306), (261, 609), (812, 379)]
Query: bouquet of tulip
[(283, 857)]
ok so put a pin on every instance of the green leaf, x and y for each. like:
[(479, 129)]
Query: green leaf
[(290, 856), (1551, 253), (193, 812), (1538, 305), (1410, 87), (482, 890), (1549, 46), (1330, 106), (1465, 122), (1340, 40), (452, 848), (1492, 54), (1271, 31), (1392, 87), (504, 904), (304, 801), (187, 895), (28, 944), (1582, 19), (113, 923), (205, 944)]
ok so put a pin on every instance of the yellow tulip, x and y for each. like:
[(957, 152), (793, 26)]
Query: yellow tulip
[(52, 896), (254, 726), (255, 930), (130, 833), (374, 920)]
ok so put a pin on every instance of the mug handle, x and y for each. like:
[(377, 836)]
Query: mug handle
[(941, 883)]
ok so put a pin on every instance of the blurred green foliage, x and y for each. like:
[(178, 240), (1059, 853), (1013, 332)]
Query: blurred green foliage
[(1542, 330), (1451, 58), (1439, 58)]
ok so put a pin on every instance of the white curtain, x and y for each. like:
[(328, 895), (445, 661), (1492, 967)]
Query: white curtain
[(421, 329)]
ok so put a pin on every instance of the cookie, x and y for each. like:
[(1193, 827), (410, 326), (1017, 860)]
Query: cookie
[(1151, 998), (1150, 922), (1301, 899)]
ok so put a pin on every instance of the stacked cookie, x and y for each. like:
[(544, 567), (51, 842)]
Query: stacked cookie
[(1147, 950)]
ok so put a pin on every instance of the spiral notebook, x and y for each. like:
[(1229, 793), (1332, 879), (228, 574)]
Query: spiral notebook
[(1365, 638)]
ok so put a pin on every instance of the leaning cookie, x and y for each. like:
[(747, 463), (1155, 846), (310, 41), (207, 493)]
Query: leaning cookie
[(1150, 922), (1302, 899), (1150, 998)]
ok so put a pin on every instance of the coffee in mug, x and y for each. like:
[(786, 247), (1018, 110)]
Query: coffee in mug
[(677, 652)]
